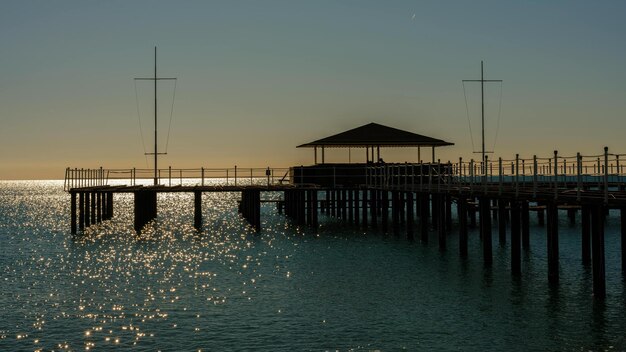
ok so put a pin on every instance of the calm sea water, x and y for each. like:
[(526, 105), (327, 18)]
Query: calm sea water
[(286, 288)]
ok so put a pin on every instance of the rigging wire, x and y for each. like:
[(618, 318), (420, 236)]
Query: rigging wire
[(167, 143), (468, 117), (143, 144)]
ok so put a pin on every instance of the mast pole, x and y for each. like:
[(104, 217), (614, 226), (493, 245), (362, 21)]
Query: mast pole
[(482, 112), (155, 119)]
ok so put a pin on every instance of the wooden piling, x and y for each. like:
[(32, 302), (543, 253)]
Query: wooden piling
[(350, 206), (81, 213), (585, 220), (525, 218), (373, 208), (384, 217), (409, 215), (314, 210), (395, 212), (448, 204), (197, 210), (462, 212), (622, 212), (73, 212), (109, 205), (424, 217), (99, 207), (485, 230), (597, 240), (516, 267), (93, 208), (364, 209), (87, 209), (553, 242), (357, 218), (502, 221), (441, 219)]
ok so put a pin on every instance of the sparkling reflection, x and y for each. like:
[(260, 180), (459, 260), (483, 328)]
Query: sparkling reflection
[(288, 288)]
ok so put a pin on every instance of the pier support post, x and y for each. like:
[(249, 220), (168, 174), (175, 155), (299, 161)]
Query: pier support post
[(93, 208), (516, 267), (540, 214), (472, 214), (110, 205), (98, 207), (485, 230), (525, 217), (462, 213), (87, 209), (350, 206), (145, 208), (502, 221), (364, 209), (327, 207), (344, 209), (373, 208), (553, 242), (314, 209), (585, 220), (197, 210), (73, 212), (622, 213), (448, 199), (395, 212), (597, 240), (384, 217), (81, 213), (357, 218), (409, 215), (441, 219), (424, 216)]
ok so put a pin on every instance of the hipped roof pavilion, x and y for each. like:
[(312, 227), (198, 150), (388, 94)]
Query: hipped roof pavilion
[(374, 135)]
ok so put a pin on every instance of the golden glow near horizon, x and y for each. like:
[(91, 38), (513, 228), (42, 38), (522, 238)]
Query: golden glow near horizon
[(257, 79)]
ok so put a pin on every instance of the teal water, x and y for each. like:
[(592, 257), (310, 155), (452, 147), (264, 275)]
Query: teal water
[(284, 289)]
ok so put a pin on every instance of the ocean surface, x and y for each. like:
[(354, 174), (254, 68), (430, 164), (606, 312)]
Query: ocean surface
[(286, 288)]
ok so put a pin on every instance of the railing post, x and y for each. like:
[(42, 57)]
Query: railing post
[(235, 175), (170, 175), (268, 173), (471, 175), (251, 176), (579, 169), (202, 175), (516, 175), (556, 172), (500, 176), (534, 176), (134, 176), (606, 175), (484, 176)]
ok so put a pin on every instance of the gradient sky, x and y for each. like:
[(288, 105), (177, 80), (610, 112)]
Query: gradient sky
[(257, 78)]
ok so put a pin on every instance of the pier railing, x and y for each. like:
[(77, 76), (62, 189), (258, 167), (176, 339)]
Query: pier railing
[(235, 176), (604, 172)]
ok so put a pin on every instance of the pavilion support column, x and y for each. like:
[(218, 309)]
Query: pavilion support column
[(433, 148), (323, 161)]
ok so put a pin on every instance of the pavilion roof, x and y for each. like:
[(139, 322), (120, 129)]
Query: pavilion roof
[(374, 134)]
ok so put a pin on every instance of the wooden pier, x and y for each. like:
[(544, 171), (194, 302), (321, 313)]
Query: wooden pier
[(388, 197)]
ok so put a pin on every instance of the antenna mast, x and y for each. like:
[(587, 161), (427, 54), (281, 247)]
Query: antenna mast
[(155, 79), (482, 81)]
